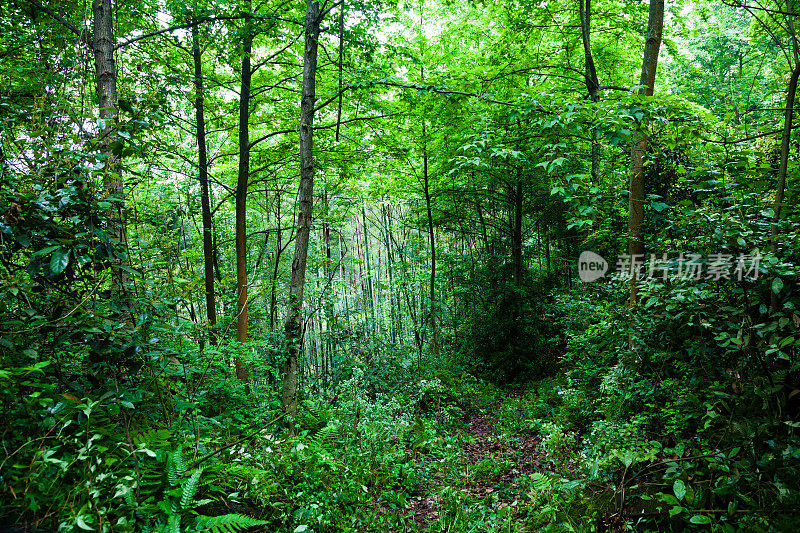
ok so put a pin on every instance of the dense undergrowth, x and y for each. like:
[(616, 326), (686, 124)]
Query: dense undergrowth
[(653, 439), (681, 414)]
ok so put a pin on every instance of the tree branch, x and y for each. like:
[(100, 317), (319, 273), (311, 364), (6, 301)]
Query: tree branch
[(82, 35)]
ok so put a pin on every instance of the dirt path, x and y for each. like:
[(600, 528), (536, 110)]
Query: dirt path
[(496, 460)]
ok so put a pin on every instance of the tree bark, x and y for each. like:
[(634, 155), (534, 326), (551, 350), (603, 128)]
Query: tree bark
[(434, 343), (655, 25), (783, 169), (205, 203), (305, 199), (369, 294), (592, 83), (241, 202), (103, 42), (273, 300), (516, 232), (590, 74)]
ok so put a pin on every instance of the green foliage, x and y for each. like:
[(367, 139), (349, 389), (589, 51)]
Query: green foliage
[(462, 175), (558, 443), (555, 505), (229, 523), (507, 339)]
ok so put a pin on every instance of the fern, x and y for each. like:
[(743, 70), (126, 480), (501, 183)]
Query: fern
[(190, 488), (249, 474), (229, 523), (174, 523), (327, 437), (262, 485), (312, 416), (176, 466)]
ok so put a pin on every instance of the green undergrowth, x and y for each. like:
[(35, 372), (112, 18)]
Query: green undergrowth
[(615, 441)]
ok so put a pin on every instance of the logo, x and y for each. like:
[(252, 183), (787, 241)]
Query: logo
[(591, 266)]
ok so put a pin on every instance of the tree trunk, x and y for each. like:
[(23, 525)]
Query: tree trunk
[(434, 343), (592, 83), (241, 203), (547, 248), (103, 42), (516, 232), (205, 203), (782, 170), (330, 343), (590, 74), (389, 272), (369, 295), (655, 25), (273, 300), (293, 323)]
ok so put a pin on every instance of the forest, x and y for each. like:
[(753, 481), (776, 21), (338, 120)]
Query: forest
[(399, 266)]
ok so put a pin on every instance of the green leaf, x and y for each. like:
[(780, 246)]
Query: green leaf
[(59, 260), (83, 525), (700, 519), (675, 510), (669, 498), (679, 488), (777, 285), (46, 250)]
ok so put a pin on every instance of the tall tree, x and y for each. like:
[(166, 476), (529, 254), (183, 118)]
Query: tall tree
[(293, 326), (591, 80), (205, 203), (241, 198), (655, 26)]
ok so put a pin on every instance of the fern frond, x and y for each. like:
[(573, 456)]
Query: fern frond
[(174, 523), (190, 488), (176, 466), (228, 523), (248, 474), (327, 437), (312, 415)]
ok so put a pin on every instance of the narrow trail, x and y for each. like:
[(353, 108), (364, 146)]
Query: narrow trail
[(492, 462)]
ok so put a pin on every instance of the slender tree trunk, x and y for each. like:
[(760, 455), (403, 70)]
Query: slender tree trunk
[(217, 271), (655, 25), (516, 232), (106, 80), (103, 42), (241, 202), (389, 273), (369, 294), (344, 270), (330, 343), (205, 203), (273, 299), (782, 170), (434, 343), (293, 322), (547, 248), (592, 83)]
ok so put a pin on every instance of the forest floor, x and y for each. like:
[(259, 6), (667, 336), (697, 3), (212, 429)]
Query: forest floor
[(487, 466)]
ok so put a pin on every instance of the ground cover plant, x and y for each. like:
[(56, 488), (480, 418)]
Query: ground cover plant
[(361, 266)]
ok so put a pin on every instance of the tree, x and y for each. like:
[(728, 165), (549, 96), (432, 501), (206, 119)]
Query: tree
[(243, 179), (202, 162), (293, 326), (655, 25)]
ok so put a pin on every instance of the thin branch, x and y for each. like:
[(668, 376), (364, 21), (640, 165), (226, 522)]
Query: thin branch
[(333, 6), (82, 35), (209, 455), (751, 138)]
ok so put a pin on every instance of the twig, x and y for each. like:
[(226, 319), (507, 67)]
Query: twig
[(232, 444)]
